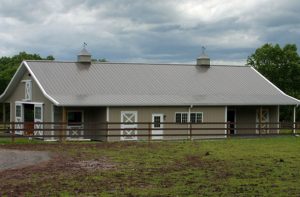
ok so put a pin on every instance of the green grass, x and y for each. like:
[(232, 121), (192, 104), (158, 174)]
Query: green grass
[(232, 167)]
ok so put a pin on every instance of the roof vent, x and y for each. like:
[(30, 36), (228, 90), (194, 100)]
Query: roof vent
[(203, 59), (84, 56)]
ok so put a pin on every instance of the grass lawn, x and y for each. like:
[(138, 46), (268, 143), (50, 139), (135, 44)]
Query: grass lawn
[(232, 167)]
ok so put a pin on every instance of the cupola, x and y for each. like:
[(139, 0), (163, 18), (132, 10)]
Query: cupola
[(84, 56), (203, 59)]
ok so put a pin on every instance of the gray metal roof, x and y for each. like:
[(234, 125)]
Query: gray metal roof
[(113, 84)]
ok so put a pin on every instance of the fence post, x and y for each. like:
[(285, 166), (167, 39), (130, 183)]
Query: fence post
[(106, 130), (228, 124), (13, 132), (149, 132)]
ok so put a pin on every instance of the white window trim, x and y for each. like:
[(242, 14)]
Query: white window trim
[(28, 91), (196, 116), (188, 116)]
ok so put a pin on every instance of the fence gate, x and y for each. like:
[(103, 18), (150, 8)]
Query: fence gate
[(129, 129)]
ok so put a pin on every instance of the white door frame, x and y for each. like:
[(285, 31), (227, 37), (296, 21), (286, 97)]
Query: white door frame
[(38, 119), (129, 129), (19, 127), (158, 132)]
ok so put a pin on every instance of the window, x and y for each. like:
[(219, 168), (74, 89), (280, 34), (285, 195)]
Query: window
[(28, 90), (196, 117), (18, 111), (75, 118), (157, 121), (37, 113), (182, 117)]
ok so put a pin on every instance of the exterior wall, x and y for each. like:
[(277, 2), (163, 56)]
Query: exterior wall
[(210, 114), (246, 118), (37, 96), (94, 120)]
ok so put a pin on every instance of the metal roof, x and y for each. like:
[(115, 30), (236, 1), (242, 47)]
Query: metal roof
[(134, 84)]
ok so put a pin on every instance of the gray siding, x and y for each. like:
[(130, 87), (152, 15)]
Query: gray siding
[(246, 118), (94, 120), (210, 114)]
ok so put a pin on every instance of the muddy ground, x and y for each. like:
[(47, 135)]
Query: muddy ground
[(12, 159)]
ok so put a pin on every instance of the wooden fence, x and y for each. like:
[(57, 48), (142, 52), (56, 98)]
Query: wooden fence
[(143, 130)]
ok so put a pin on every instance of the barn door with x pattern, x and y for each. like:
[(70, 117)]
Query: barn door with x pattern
[(38, 119), (19, 118), (263, 128), (128, 118)]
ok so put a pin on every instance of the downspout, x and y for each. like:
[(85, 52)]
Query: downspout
[(189, 121)]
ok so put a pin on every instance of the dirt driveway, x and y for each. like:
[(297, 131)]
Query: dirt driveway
[(12, 159)]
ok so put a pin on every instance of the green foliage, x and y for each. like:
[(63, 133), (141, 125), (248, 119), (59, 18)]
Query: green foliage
[(9, 65), (282, 67)]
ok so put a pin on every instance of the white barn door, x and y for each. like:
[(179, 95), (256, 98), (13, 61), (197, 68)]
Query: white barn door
[(128, 129), (157, 120), (19, 117), (38, 118)]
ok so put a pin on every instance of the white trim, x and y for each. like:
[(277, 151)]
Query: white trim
[(124, 126), (36, 120), (39, 84), (52, 120), (107, 114), (184, 112), (29, 102), (28, 90), (19, 127), (274, 85)]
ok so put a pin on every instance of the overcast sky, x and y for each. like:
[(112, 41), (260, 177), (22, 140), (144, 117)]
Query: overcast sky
[(162, 31)]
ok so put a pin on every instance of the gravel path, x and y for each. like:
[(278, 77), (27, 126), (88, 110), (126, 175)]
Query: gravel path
[(11, 159)]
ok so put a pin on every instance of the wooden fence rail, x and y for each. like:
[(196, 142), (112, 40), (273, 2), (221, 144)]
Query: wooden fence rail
[(103, 130)]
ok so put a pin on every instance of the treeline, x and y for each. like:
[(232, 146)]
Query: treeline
[(281, 65), (9, 65)]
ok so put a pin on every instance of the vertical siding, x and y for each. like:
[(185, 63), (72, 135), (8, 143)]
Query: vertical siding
[(246, 118), (210, 114), (37, 96), (94, 120)]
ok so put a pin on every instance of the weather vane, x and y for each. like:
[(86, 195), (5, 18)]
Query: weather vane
[(84, 44), (203, 50)]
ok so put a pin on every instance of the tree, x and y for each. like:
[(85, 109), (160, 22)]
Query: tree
[(9, 65), (282, 67)]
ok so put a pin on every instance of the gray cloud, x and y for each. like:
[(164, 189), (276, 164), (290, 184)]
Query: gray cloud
[(147, 31)]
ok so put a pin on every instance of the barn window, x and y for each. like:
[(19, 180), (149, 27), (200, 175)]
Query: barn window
[(196, 117), (181, 117)]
